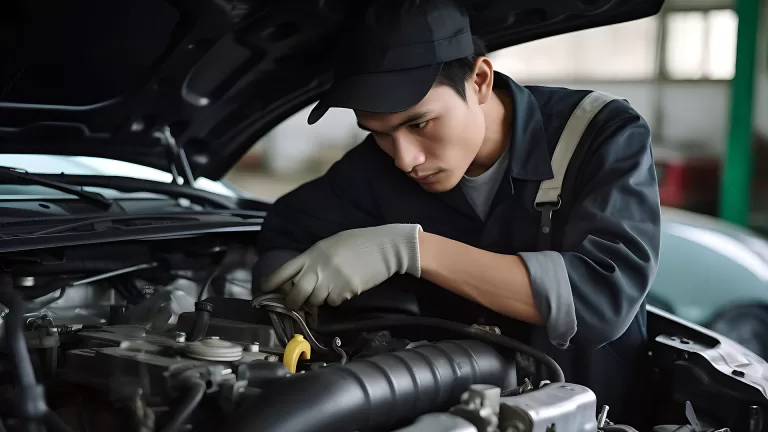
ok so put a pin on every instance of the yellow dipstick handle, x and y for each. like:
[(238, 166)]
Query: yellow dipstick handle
[(297, 347)]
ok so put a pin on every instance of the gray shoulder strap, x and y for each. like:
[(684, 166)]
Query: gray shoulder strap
[(549, 190)]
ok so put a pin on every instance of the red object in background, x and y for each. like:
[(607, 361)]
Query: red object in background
[(688, 182), (690, 178)]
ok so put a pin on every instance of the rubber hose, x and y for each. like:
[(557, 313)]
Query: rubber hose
[(457, 328), (282, 339), (196, 389), (375, 393), (31, 403), (261, 374), (202, 320)]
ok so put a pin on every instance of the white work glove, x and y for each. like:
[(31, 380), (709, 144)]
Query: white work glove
[(346, 264)]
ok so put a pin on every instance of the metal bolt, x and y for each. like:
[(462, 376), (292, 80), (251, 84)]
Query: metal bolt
[(254, 347), (602, 417), (181, 337), (272, 358)]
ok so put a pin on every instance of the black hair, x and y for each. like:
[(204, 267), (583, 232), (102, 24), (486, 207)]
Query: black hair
[(456, 73)]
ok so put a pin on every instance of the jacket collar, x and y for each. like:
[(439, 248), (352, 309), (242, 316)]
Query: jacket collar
[(529, 153)]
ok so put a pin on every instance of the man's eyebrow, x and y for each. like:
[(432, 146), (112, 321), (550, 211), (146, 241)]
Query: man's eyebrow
[(410, 119)]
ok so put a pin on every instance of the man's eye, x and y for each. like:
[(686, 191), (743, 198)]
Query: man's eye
[(419, 125)]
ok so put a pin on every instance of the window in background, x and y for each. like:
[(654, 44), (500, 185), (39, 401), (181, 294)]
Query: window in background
[(624, 51), (701, 44)]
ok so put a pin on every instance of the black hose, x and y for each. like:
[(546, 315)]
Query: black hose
[(209, 281), (454, 327), (196, 389), (203, 312), (376, 393), (282, 339), (31, 401), (260, 374)]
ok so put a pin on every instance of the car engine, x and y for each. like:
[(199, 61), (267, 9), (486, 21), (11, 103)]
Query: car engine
[(158, 345)]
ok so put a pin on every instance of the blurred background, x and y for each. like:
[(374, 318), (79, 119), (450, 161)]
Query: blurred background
[(676, 68)]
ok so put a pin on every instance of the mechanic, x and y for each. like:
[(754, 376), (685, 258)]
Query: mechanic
[(443, 191)]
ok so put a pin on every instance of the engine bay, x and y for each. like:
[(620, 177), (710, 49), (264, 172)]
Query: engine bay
[(165, 335)]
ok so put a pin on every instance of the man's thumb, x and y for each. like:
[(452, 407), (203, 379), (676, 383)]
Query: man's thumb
[(283, 274)]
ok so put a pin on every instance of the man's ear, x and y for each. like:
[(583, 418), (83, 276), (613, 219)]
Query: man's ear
[(482, 81)]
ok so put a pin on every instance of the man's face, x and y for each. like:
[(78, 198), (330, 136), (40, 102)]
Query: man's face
[(435, 141)]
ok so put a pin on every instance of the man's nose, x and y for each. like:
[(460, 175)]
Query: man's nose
[(408, 155)]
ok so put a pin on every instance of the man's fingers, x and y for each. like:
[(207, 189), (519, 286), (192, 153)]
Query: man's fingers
[(286, 288), (319, 294), (338, 296), (301, 290), (284, 274)]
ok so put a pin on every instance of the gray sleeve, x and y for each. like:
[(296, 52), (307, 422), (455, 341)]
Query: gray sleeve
[(270, 261), (552, 294), (612, 235)]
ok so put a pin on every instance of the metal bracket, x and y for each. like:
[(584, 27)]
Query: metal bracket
[(176, 156), (545, 227)]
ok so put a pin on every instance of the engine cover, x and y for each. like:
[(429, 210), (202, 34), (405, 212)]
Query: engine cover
[(560, 407)]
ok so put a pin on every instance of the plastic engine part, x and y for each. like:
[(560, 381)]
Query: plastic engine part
[(386, 390), (214, 350)]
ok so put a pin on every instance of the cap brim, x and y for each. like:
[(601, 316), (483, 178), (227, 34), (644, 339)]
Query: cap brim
[(383, 92)]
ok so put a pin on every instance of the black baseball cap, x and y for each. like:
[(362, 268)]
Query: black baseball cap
[(393, 56)]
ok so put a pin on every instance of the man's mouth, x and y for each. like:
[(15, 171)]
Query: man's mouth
[(429, 178)]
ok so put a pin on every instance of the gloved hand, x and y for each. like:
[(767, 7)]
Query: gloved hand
[(346, 264)]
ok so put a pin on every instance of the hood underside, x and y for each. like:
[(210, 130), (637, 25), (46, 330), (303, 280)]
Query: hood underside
[(100, 78)]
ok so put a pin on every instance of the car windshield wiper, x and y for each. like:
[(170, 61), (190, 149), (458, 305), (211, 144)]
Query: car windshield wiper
[(77, 191), (150, 218), (128, 184)]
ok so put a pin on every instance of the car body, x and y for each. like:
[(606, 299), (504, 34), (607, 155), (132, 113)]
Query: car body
[(84, 165), (715, 274), (91, 263)]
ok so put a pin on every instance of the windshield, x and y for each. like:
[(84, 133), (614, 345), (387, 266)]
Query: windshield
[(83, 165)]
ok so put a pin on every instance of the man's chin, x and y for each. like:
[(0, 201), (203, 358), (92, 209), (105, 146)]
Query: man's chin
[(440, 186)]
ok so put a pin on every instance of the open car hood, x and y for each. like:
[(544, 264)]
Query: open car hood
[(96, 78)]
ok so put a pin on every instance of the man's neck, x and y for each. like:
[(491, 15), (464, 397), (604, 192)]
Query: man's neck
[(498, 126)]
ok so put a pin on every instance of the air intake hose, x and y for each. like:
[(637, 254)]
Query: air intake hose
[(382, 391)]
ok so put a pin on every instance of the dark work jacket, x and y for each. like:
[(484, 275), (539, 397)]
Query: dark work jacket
[(607, 229)]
